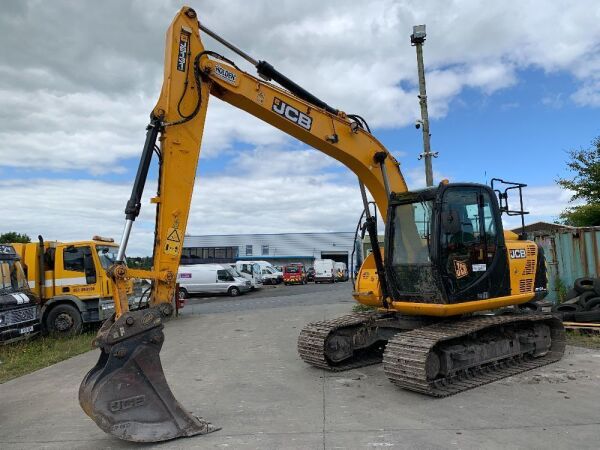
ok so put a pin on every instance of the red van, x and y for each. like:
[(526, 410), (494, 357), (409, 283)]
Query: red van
[(294, 273)]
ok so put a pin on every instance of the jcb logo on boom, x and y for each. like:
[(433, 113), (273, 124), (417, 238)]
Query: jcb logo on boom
[(292, 114)]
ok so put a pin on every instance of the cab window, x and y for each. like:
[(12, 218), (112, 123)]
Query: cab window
[(73, 259), (12, 276), (224, 275), (79, 259), (467, 236)]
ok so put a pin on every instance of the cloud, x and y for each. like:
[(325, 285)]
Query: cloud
[(79, 79), (415, 177), (588, 94), (87, 131), (86, 85), (247, 200), (250, 199), (544, 203), (273, 161)]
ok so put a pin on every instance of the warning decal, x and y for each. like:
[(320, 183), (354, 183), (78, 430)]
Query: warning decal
[(173, 244), (173, 235)]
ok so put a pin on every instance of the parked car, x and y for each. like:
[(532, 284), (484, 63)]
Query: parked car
[(210, 279), (324, 271), (19, 307), (310, 274), (341, 271), (294, 273)]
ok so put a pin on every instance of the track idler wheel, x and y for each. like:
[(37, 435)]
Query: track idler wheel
[(126, 392)]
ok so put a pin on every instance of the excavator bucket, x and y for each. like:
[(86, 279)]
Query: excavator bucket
[(126, 392)]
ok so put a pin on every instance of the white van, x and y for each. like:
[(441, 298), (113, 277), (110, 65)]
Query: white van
[(341, 271), (251, 272), (270, 275), (210, 279), (324, 270)]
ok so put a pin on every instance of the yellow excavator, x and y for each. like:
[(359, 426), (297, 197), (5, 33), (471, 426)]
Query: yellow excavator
[(454, 295)]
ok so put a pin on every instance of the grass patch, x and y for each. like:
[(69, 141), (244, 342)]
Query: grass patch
[(583, 339), (359, 307), (24, 357)]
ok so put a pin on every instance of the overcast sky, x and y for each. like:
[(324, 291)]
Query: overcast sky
[(511, 86)]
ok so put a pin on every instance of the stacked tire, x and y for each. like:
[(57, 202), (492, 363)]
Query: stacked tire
[(582, 302)]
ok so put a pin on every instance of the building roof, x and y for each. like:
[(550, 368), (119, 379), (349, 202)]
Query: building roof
[(308, 233), (284, 245), (543, 226)]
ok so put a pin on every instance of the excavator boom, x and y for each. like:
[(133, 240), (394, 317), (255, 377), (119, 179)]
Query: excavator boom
[(126, 393)]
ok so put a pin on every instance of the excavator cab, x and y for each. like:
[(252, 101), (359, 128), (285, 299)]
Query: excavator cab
[(446, 244)]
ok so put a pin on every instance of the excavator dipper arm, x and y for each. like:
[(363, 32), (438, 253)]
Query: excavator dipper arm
[(126, 393)]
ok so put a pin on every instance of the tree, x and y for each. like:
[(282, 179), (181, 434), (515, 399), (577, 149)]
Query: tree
[(12, 236), (585, 164)]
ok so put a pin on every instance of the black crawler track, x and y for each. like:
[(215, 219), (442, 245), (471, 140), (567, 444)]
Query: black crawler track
[(405, 357), (313, 337)]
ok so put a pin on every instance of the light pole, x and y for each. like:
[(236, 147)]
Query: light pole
[(417, 39)]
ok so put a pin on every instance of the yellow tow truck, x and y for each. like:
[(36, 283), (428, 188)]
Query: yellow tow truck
[(76, 287)]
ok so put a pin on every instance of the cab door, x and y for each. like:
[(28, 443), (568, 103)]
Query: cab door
[(472, 253), (78, 275)]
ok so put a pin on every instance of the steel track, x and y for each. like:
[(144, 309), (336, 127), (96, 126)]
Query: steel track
[(405, 357), (313, 337)]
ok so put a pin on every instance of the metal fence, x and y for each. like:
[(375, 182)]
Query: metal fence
[(570, 254)]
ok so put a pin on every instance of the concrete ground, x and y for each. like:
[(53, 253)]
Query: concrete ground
[(237, 366)]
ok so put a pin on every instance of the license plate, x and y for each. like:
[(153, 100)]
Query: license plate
[(28, 329)]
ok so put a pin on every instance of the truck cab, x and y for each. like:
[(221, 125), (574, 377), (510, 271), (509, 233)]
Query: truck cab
[(71, 280), (19, 307)]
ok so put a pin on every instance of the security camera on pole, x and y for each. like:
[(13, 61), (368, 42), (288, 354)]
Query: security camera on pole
[(417, 39)]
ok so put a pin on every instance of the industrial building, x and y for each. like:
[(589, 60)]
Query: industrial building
[(277, 248)]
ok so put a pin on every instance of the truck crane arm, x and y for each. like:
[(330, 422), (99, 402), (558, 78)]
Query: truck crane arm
[(145, 409)]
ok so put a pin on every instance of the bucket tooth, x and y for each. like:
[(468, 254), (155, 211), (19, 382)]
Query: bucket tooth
[(126, 392)]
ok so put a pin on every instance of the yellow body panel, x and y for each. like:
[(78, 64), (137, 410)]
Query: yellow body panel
[(455, 309), (522, 269), (522, 277), (366, 286)]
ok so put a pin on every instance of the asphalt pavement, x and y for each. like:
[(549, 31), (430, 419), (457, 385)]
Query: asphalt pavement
[(272, 296), (236, 365)]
